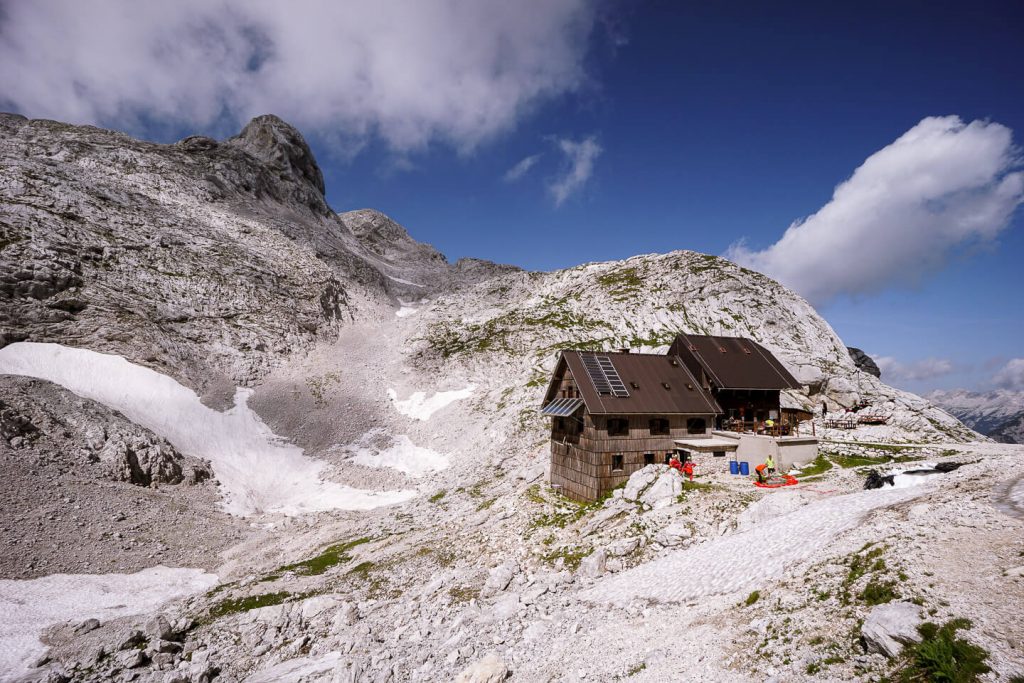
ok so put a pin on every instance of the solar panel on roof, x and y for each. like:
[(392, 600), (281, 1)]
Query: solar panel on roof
[(562, 407), (612, 375), (596, 373)]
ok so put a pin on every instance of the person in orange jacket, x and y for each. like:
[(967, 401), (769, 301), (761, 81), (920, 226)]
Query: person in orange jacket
[(675, 464)]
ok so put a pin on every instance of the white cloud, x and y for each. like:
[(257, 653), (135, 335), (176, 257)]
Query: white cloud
[(522, 168), (456, 71), (1011, 375), (581, 157), (929, 368), (941, 185)]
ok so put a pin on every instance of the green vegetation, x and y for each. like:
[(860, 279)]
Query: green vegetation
[(237, 605), (879, 592), (436, 498), (571, 556), (461, 594), (821, 464), (622, 283), (636, 669), (752, 598), (942, 656), (314, 566)]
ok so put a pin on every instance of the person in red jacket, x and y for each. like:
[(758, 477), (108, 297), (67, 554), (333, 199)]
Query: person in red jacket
[(688, 469), (675, 464)]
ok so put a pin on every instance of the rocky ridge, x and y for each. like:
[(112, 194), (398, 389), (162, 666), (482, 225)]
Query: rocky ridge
[(998, 413)]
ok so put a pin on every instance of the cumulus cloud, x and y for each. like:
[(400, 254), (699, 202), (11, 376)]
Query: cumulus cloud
[(457, 71), (580, 157), (929, 368), (522, 168), (942, 185), (1011, 375)]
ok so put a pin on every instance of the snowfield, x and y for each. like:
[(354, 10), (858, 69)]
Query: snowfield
[(258, 471), (419, 407), (402, 454), (746, 560), (27, 608)]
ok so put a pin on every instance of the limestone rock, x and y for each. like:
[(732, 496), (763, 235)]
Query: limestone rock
[(890, 626), (674, 534), (594, 564), (489, 669), (665, 490)]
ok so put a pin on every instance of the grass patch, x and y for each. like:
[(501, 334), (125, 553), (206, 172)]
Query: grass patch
[(942, 656), (752, 598), (848, 461), (879, 592), (820, 465), (239, 605), (437, 497), (571, 556), (463, 594), (314, 566)]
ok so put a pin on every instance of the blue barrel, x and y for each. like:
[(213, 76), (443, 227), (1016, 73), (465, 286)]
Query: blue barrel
[(734, 467), (745, 468)]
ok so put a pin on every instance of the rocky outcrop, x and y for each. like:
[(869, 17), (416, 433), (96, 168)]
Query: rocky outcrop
[(864, 362), (41, 421)]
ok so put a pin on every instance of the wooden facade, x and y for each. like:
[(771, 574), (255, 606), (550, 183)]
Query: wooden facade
[(588, 459), (607, 438)]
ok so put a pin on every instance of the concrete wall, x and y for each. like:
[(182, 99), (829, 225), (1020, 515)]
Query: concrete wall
[(787, 451)]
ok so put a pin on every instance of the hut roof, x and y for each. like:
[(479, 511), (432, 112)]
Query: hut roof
[(634, 383), (734, 362)]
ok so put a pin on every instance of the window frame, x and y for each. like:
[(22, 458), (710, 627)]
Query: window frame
[(660, 421), (690, 422), (617, 421)]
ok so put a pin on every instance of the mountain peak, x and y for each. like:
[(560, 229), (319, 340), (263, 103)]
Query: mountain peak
[(281, 147)]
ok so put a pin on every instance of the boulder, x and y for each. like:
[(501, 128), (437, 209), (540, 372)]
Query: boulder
[(674, 534), (640, 481), (594, 564), (623, 546), (665, 490), (489, 669), (500, 577), (159, 628), (891, 626)]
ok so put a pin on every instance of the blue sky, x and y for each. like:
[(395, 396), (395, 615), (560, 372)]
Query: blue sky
[(704, 124)]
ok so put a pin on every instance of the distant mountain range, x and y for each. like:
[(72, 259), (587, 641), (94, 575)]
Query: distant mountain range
[(998, 413)]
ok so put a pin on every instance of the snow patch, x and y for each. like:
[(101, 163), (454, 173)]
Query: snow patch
[(405, 311), (29, 607), (419, 407), (400, 454), (745, 560), (257, 470), (404, 282)]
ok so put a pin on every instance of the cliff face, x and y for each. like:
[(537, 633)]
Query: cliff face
[(212, 260), (204, 259)]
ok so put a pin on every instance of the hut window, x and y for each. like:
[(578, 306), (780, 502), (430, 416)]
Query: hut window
[(559, 424), (617, 463), (618, 426), (696, 425), (659, 425), (648, 458)]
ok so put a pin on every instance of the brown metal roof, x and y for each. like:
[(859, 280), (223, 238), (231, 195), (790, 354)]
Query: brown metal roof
[(645, 376), (734, 362)]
